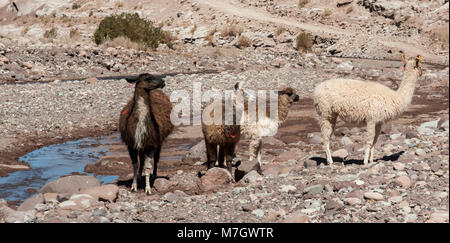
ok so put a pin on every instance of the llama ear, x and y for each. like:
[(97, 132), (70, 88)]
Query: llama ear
[(403, 58), (419, 61), (131, 80), (236, 86)]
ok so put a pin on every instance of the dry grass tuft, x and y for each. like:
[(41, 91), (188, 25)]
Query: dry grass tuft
[(280, 30), (51, 34), (74, 34), (304, 42), (232, 30), (302, 3), (244, 42), (349, 9), (328, 12), (25, 31)]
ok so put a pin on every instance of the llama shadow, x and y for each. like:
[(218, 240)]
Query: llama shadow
[(140, 181), (392, 157)]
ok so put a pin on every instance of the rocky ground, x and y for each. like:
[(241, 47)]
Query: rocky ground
[(60, 90)]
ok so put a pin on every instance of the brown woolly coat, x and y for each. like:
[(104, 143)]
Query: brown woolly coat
[(158, 123), (221, 134)]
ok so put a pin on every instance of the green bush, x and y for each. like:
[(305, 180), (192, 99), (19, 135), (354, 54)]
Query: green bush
[(131, 26)]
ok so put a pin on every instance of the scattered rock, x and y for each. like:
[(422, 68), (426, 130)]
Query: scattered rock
[(313, 190), (352, 201), (399, 166), (341, 153), (296, 217), (420, 152), (251, 178), (78, 202), (258, 212), (103, 193), (245, 167), (403, 181), (288, 188), (346, 141), (373, 196)]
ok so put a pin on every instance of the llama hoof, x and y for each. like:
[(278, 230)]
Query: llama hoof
[(148, 190), (134, 187)]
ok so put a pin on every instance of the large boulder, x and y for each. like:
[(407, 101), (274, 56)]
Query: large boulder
[(215, 178), (186, 182), (70, 184), (31, 202)]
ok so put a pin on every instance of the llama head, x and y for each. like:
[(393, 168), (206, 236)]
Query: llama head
[(289, 92), (241, 91), (413, 64), (147, 81)]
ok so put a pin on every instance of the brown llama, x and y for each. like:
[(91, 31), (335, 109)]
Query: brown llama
[(144, 124)]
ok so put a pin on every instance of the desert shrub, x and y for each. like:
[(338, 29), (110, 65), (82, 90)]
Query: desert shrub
[(280, 30), (349, 9), (193, 29), (51, 34), (210, 36), (25, 30), (327, 12), (76, 6), (124, 42), (304, 41), (131, 26), (232, 30), (74, 34), (119, 4), (302, 3), (244, 42)]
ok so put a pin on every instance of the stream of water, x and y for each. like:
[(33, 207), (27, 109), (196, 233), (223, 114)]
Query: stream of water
[(52, 162)]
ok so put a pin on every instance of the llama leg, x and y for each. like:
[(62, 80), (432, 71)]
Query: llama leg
[(258, 151), (221, 156), (211, 153), (229, 155), (155, 163), (141, 163), (377, 133), (369, 140), (326, 127), (254, 146), (149, 158), (134, 159)]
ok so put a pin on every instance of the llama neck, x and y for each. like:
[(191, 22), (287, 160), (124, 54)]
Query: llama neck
[(142, 110), (406, 89), (283, 108)]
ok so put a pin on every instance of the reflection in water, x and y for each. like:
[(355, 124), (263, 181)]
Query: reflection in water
[(51, 162)]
